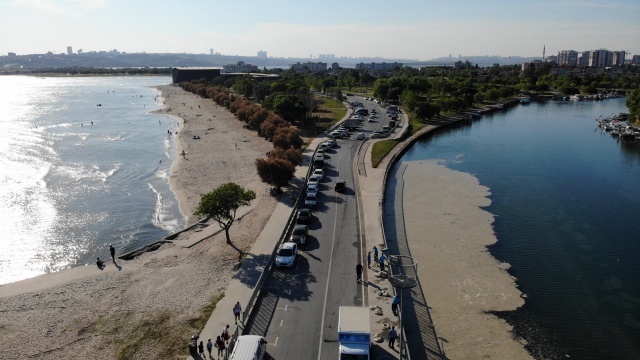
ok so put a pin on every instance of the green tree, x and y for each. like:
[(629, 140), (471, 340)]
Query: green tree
[(633, 103), (222, 203)]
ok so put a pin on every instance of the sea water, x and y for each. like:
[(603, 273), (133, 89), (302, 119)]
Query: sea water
[(83, 164), (566, 203)]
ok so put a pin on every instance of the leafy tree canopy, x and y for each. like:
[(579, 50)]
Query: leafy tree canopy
[(222, 203)]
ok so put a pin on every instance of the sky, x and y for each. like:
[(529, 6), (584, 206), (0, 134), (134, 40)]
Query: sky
[(406, 29)]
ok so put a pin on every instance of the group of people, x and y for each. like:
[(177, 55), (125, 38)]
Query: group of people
[(102, 264), (222, 341), (393, 334)]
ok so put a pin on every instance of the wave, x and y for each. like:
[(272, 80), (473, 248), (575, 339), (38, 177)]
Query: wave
[(162, 216)]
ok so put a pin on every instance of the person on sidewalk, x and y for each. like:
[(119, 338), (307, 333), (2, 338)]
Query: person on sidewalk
[(220, 346), (382, 260), (201, 350), (375, 253), (394, 305), (393, 335), (236, 311), (359, 272), (225, 334), (369, 260), (210, 348)]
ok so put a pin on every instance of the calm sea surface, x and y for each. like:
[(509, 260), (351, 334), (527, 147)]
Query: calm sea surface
[(567, 202), (69, 188)]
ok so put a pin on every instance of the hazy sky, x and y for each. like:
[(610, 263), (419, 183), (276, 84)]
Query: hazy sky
[(416, 29)]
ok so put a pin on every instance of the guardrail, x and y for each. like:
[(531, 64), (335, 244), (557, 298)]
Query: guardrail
[(265, 273)]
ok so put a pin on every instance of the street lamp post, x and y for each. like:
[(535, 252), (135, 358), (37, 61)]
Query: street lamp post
[(402, 281)]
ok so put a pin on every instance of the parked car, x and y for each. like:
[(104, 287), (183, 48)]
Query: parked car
[(319, 173), (287, 254), (299, 234), (385, 129), (378, 135), (312, 199), (331, 142), (313, 179), (340, 186), (371, 120), (304, 216), (360, 136)]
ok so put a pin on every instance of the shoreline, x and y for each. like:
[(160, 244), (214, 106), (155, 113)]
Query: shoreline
[(69, 313)]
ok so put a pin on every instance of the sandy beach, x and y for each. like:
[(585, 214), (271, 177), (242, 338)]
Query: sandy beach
[(78, 312), (460, 278)]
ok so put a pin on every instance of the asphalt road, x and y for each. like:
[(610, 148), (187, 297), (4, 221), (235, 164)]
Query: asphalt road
[(298, 311)]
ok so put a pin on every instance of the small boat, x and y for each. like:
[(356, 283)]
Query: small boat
[(525, 101)]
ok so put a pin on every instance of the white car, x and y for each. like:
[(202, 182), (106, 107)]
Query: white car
[(287, 254), (312, 199), (319, 173), (331, 142), (314, 179)]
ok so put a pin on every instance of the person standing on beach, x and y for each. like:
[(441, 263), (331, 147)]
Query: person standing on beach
[(112, 250), (210, 348), (359, 272), (236, 311)]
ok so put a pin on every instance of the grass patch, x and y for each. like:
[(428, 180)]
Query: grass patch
[(380, 150), (161, 334), (329, 111), (199, 322)]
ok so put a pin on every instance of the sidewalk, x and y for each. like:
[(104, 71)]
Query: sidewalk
[(243, 283)]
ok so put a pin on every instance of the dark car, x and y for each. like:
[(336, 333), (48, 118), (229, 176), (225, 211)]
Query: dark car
[(299, 234), (304, 216), (341, 185)]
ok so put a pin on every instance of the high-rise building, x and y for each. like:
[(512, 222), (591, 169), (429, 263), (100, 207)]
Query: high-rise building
[(618, 58), (69, 50), (568, 58), (600, 58), (262, 54)]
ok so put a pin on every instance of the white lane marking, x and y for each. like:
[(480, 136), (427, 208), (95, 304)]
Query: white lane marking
[(281, 321), (286, 307), (276, 342), (326, 289), (360, 220)]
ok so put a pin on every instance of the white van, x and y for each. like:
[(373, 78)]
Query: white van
[(249, 347)]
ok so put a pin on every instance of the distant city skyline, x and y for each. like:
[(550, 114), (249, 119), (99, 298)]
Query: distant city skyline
[(415, 29)]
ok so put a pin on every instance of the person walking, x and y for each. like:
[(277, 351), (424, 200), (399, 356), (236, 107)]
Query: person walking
[(393, 335), (201, 350), (236, 311), (112, 250), (369, 260), (394, 305), (375, 253), (382, 260), (359, 272), (220, 346), (225, 334), (210, 348)]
